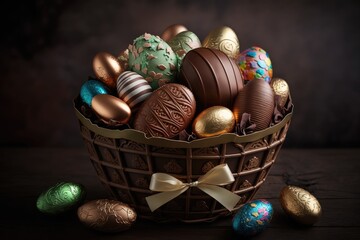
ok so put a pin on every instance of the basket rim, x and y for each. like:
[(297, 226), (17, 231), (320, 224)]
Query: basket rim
[(140, 137)]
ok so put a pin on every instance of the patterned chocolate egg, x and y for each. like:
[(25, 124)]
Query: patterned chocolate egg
[(60, 198), (300, 205), (111, 110), (171, 31), (281, 89), (167, 112), (153, 58), (257, 99), (183, 43), (254, 63), (212, 76), (253, 218), (90, 89), (133, 89), (223, 39), (107, 68), (107, 215)]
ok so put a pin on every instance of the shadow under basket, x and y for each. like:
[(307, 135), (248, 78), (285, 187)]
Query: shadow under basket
[(125, 160)]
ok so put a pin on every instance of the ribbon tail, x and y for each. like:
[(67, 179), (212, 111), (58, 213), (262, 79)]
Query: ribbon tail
[(157, 200), (225, 197)]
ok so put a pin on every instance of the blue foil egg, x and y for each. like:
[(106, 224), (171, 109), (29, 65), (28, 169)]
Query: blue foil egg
[(90, 89), (252, 218)]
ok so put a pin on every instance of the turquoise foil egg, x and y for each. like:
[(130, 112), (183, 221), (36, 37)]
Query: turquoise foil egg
[(90, 89), (252, 218)]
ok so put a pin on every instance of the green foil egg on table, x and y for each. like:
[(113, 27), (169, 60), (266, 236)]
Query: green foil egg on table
[(153, 58), (60, 198)]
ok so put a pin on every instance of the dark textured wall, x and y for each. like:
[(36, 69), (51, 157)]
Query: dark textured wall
[(47, 50)]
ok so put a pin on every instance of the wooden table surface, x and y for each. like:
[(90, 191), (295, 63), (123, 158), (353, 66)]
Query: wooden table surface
[(331, 175)]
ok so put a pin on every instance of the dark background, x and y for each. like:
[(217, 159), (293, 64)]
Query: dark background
[(47, 50)]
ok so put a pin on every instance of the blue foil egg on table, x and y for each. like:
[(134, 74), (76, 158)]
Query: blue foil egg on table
[(90, 89), (252, 218)]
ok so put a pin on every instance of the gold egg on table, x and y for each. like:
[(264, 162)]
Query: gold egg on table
[(281, 89), (107, 68), (171, 31), (300, 205), (213, 121)]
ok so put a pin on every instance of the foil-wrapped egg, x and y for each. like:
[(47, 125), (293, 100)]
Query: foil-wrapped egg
[(281, 89), (60, 198), (107, 215), (254, 63), (300, 205), (252, 218), (111, 110), (107, 68), (213, 121), (90, 89), (223, 39), (171, 31)]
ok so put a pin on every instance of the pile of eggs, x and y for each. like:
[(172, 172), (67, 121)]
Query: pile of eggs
[(165, 85)]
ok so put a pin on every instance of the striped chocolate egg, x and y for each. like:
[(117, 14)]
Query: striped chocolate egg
[(133, 89)]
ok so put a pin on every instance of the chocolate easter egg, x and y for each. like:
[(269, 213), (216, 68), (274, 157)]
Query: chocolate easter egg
[(167, 112), (123, 58), (254, 63), (213, 121), (223, 39), (256, 99), (107, 68), (133, 89), (281, 89), (90, 89), (153, 58), (111, 110), (107, 215), (171, 31), (300, 205), (212, 76)]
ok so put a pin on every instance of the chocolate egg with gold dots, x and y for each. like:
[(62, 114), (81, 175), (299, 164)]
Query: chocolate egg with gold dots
[(281, 89)]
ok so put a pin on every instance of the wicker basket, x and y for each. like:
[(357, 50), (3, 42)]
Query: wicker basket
[(125, 160)]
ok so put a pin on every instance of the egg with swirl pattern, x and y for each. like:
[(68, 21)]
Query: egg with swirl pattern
[(167, 112)]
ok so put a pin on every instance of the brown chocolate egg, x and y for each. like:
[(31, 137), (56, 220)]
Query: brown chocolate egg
[(281, 89), (167, 112), (171, 31), (212, 76), (257, 99), (107, 215), (107, 68), (213, 121), (111, 110)]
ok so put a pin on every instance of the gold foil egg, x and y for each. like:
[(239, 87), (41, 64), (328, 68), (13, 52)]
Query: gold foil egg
[(111, 110), (171, 31), (223, 39), (300, 205), (281, 89), (107, 68), (213, 121), (107, 215)]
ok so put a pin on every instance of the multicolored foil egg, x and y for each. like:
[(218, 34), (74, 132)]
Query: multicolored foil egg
[(111, 110), (213, 121), (281, 89), (183, 43), (254, 63), (223, 39), (153, 58), (90, 89), (171, 31), (252, 218), (107, 68), (60, 198), (300, 205), (133, 89), (107, 215)]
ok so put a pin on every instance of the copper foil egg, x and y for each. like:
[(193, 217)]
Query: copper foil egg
[(171, 31), (107, 68)]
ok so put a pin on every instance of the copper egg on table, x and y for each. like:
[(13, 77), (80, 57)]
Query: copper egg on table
[(281, 89), (107, 215), (111, 110), (107, 68), (171, 31), (257, 99)]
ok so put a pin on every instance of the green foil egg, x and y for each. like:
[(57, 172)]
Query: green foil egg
[(60, 198), (153, 58), (182, 43)]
